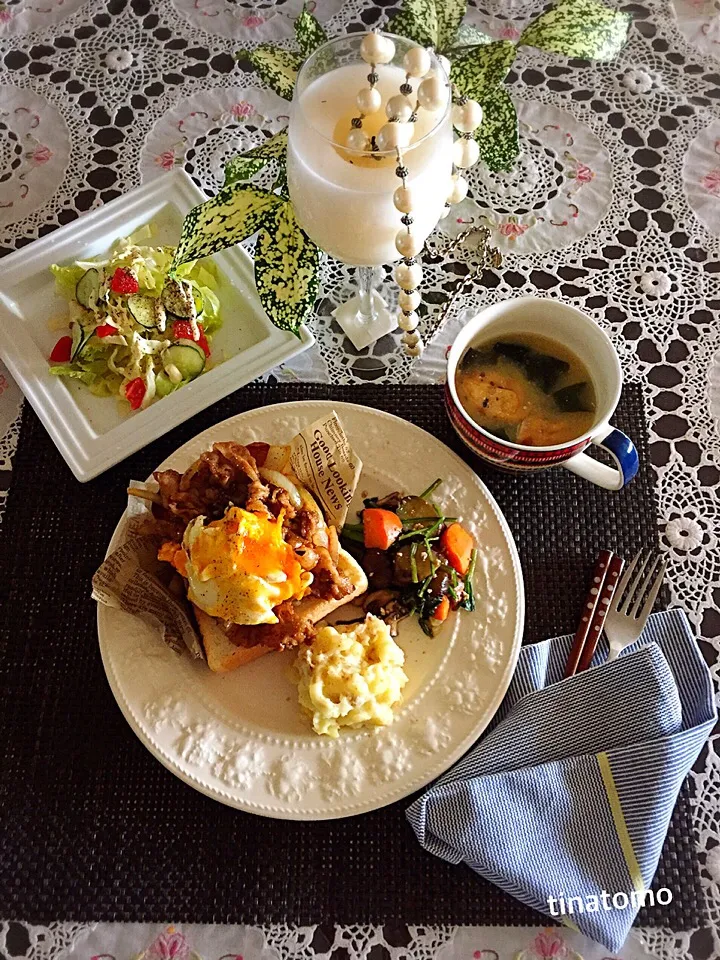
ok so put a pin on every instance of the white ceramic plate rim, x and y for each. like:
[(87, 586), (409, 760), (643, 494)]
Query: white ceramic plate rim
[(447, 759)]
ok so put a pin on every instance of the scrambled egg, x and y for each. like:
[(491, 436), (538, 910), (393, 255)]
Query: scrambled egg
[(239, 568), (351, 676)]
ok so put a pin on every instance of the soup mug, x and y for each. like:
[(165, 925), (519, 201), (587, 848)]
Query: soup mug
[(579, 333)]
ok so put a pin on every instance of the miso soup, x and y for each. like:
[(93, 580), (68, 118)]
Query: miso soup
[(527, 389)]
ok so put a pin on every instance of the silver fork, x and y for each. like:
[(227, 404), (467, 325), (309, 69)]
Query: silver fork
[(628, 614)]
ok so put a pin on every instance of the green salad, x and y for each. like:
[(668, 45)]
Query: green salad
[(135, 332)]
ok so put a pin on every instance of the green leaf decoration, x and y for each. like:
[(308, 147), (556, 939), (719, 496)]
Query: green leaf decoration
[(235, 213), (579, 28), (498, 133), (245, 165), (431, 23), (308, 32), (480, 70), (287, 270), (274, 148), (471, 36), (277, 67), (242, 168)]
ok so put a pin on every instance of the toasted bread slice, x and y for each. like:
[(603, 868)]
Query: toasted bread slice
[(224, 656)]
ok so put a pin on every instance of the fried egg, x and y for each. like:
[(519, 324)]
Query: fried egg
[(240, 568)]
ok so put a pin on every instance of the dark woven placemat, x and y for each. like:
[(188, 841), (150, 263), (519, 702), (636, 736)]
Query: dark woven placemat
[(94, 828)]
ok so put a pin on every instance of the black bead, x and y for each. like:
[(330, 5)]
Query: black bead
[(356, 122), (465, 136), (407, 313), (406, 89), (413, 117), (401, 171), (407, 220), (409, 261), (461, 101), (372, 78)]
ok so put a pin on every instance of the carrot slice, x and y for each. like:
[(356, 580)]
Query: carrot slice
[(381, 528), (442, 610), (457, 545)]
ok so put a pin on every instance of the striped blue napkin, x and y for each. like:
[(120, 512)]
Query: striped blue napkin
[(566, 801)]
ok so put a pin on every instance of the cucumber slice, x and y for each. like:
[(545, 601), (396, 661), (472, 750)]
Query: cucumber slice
[(176, 299), (143, 310), (87, 291), (187, 356), (80, 337), (164, 385)]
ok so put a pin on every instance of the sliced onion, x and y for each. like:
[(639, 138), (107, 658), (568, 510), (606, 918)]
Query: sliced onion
[(278, 457), (280, 480)]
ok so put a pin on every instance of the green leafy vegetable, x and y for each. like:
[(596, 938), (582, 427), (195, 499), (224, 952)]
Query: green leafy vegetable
[(498, 133), (308, 32), (431, 23), (479, 71), (277, 67), (579, 28), (286, 269), (235, 213)]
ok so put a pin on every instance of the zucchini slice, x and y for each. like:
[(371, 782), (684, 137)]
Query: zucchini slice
[(187, 356), (87, 290), (143, 310)]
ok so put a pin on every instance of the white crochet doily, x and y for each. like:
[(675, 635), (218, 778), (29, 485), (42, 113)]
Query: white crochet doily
[(614, 207)]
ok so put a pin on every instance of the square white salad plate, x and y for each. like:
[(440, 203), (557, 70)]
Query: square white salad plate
[(92, 433)]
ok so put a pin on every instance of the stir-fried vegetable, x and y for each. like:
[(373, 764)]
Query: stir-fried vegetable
[(418, 561), (127, 320)]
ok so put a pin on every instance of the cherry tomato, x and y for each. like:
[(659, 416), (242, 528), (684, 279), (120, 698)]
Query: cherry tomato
[(124, 282), (105, 330), (182, 330), (135, 391), (62, 351)]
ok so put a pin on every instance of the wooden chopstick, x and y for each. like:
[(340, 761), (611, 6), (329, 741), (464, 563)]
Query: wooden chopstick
[(606, 577)]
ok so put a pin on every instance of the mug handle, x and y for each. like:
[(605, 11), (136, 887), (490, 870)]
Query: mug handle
[(623, 453)]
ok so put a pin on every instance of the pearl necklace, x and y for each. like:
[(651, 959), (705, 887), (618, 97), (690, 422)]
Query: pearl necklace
[(396, 135)]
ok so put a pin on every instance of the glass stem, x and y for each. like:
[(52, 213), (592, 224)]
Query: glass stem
[(366, 286)]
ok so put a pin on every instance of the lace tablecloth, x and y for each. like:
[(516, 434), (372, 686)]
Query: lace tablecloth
[(614, 206)]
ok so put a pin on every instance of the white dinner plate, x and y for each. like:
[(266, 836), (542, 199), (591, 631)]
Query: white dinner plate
[(241, 737), (94, 433)]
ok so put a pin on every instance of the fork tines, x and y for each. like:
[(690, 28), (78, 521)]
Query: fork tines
[(638, 589)]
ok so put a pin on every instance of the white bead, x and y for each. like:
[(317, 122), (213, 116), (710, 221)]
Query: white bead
[(388, 51), (458, 189), (408, 277), (444, 63), (416, 350), (409, 301), (408, 321), (369, 101), (399, 108), (404, 199), (394, 135), (465, 153), (407, 243), (417, 62), (467, 117), (432, 94), (410, 339), (371, 48), (356, 140)]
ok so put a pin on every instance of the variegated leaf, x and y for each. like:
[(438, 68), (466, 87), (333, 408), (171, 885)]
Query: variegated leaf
[(498, 133), (471, 36), (431, 23), (287, 270), (579, 28), (477, 72), (308, 33), (275, 148), (235, 213), (277, 67), (242, 168)]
